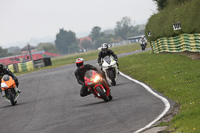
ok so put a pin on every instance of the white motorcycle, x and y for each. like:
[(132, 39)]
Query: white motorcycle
[(109, 66)]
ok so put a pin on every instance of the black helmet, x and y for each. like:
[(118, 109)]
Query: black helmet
[(104, 47), (1, 66), (79, 62)]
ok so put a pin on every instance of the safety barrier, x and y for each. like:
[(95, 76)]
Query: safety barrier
[(11, 67), (183, 42), (30, 65), (23, 67)]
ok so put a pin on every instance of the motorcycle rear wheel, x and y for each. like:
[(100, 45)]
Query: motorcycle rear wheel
[(102, 94)]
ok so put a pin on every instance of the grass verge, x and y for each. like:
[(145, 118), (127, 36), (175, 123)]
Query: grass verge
[(90, 55), (177, 77)]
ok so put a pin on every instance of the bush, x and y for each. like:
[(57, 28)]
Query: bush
[(185, 11)]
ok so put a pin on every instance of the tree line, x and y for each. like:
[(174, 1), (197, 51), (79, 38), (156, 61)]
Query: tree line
[(66, 41)]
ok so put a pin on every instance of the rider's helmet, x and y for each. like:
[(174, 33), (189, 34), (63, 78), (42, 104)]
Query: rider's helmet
[(79, 62), (1, 66), (142, 37), (104, 47)]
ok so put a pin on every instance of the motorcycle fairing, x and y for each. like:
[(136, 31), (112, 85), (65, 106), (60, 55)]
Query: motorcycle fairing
[(89, 80), (7, 84)]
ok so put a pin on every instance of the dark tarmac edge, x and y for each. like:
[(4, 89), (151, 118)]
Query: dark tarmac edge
[(167, 118), (174, 107)]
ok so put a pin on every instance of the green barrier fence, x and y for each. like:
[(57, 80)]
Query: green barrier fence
[(29, 66), (11, 67), (22, 67), (19, 67), (183, 42)]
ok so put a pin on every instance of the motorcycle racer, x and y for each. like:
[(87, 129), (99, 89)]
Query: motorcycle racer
[(80, 73), (4, 71), (143, 41), (104, 52)]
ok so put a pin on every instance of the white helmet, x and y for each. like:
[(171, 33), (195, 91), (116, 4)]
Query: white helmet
[(104, 47)]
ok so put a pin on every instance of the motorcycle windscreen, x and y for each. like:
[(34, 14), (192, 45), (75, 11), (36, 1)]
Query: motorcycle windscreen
[(89, 74), (6, 77), (107, 59)]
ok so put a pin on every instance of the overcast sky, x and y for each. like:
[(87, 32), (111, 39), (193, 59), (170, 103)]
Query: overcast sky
[(21, 20)]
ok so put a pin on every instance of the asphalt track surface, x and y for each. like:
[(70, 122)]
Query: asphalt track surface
[(50, 103)]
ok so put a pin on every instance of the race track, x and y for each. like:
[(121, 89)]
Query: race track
[(50, 103)]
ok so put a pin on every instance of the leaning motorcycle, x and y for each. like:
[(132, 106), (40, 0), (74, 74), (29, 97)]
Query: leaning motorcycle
[(9, 86), (109, 66), (97, 85)]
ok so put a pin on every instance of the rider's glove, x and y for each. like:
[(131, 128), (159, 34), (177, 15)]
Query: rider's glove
[(100, 64)]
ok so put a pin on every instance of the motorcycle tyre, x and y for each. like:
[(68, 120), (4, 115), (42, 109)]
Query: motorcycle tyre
[(112, 77), (102, 94), (11, 98), (143, 47), (110, 97)]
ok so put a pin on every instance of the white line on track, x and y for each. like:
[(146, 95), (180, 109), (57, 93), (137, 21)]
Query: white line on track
[(165, 101)]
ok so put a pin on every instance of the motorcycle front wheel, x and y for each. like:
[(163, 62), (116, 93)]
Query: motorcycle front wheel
[(11, 97), (111, 75), (102, 94)]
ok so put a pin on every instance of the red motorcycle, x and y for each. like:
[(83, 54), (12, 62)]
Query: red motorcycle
[(97, 85)]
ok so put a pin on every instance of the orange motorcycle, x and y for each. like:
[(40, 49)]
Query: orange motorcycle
[(9, 86)]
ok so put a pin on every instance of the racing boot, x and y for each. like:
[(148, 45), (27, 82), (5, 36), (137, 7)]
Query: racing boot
[(89, 92), (17, 90), (110, 97), (3, 94), (118, 68), (106, 82)]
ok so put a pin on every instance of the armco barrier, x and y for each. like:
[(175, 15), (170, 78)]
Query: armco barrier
[(183, 42)]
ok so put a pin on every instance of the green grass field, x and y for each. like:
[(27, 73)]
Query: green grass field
[(90, 55), (177, 77)]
